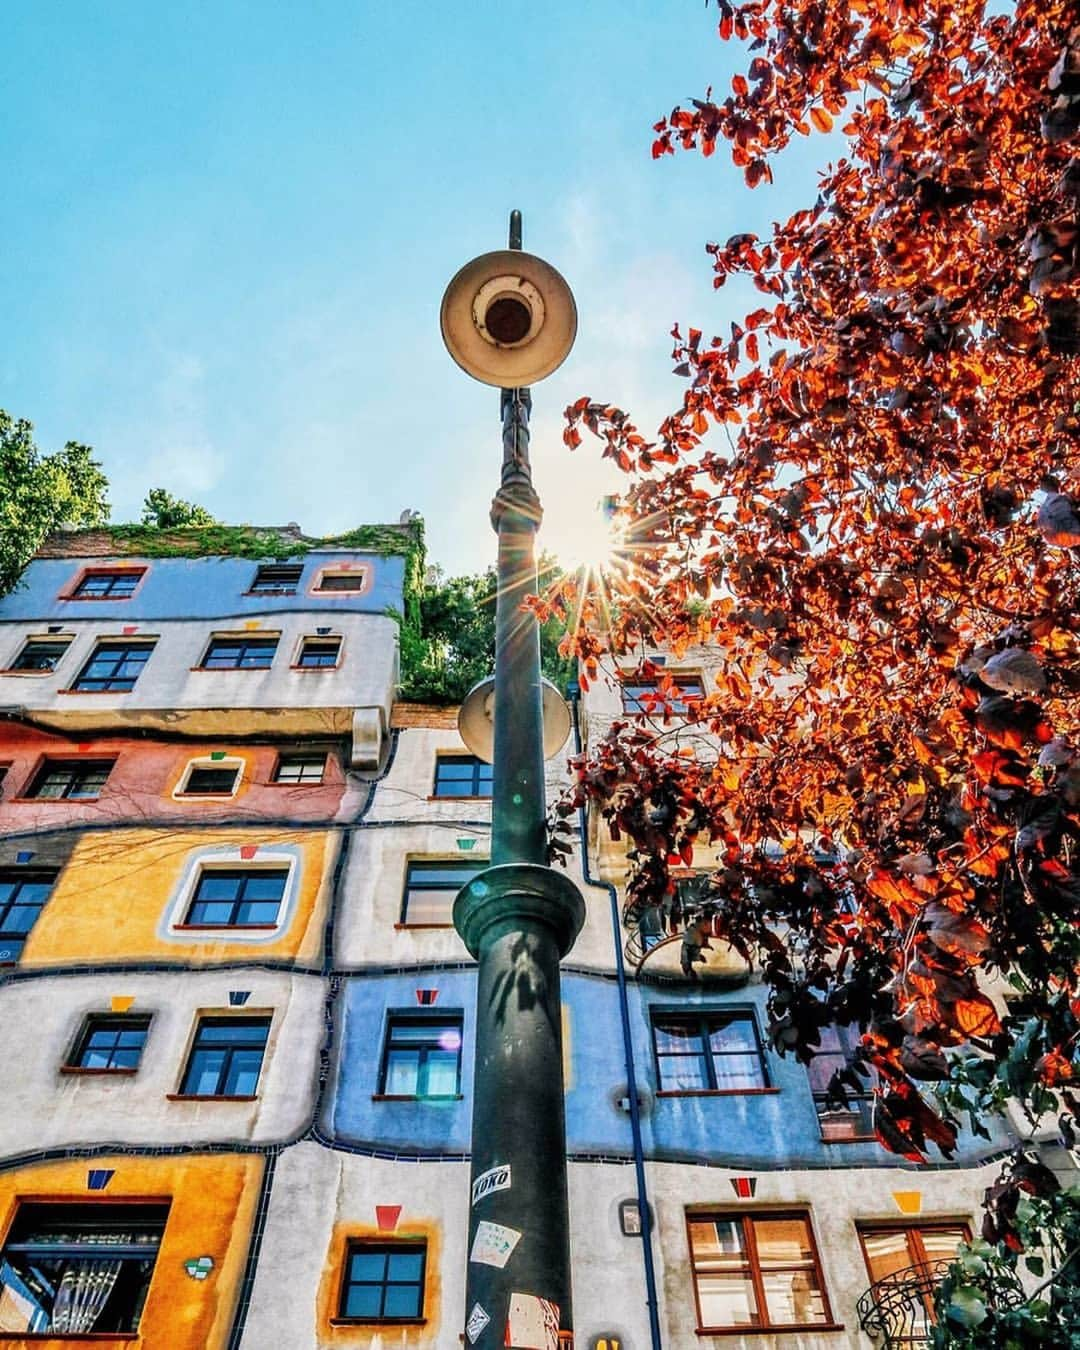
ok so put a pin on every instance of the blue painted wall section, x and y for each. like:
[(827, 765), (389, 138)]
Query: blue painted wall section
[(768, 1130), (200, 588)]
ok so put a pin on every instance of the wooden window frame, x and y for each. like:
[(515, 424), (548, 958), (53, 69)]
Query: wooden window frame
[(748, 1217)]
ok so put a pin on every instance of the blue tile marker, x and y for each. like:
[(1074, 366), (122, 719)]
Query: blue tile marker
[(99, 1177)]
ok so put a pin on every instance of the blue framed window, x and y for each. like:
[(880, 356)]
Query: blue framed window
[(319, 653), (240, 653), (40, 655), (108, 585), (430, 888), (226, 1057), (383, 1282), (276, 579), (462, 776), (113, 667), (422, 1056), (110, 1043), (708, 1050), (23, 894), (237, 897)]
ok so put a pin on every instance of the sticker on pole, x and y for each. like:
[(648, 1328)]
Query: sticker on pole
[(532, 1323), (478, 1320), (493, 1244), (487, 1183)]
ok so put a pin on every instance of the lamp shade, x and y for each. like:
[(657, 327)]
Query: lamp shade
[(508, 319), (476, 719)]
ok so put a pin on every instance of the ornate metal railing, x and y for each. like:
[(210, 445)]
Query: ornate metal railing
[(899, 1308)]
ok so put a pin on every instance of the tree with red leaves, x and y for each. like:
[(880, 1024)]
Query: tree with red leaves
[(868, 503)]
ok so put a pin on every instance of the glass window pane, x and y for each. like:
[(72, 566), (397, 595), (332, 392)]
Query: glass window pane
[(369, 1267), (405, 1267), (783, 1241), (683, 1073), (363, 1300), (887, 1250), (402, 1073), (402, 1301), (677, 1035), (429, 907), (204, 1072), (441, 1074), (941, 1244), (738, 1072), (727, 1300), (736, 1034), (718, 1242), (264, 886), (258, 911), (792, 1297)]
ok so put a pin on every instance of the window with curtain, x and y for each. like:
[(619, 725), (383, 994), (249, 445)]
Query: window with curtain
[(421, 1056), (74, 1269), (430, 888), (708, 1050)]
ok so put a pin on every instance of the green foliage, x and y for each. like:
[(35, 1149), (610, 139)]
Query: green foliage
[(454, 644), (39, 493), (163, 511), (982, 1304)]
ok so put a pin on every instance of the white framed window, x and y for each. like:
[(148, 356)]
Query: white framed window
[(234, 894), (210, 778)]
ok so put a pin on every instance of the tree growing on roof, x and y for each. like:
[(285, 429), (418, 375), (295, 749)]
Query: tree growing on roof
[(868, 501)]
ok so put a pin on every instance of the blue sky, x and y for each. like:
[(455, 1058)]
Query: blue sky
[(228, 227)]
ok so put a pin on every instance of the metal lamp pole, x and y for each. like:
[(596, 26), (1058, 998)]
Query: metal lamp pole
[(518, 918)]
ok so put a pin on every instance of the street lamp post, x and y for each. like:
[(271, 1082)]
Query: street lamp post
[(518, 917)]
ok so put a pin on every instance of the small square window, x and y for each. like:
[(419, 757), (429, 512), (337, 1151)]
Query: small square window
[(422, 1057), (40, 654), (110, 1044), (707, 1051), (226, 1057), (430, 888), (300, 768), (643, 695), (319, 653), (79, 1270), (113, 667), (276, 579), (71, 779), (756, 1271), (383, 1282), (23, 894), (237, 898), (240, 652), (350, 581), (839, 1124), (207, 780), (111, 585), (462, 776)]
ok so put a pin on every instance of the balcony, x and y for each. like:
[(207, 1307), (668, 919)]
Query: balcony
[(898, 1311), (654, 952)]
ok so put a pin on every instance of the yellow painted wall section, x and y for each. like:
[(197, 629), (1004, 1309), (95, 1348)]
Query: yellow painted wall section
[(110, 901), (405, 1337), (213, 1204)]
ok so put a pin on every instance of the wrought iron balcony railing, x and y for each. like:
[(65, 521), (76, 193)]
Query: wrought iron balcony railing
[(899, 1309)]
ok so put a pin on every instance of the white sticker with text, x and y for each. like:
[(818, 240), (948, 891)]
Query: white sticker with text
[(493, 1244), (495, 1179)]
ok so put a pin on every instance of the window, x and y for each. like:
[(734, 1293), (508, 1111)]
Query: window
[(40, 654), (351, 580), (708, 1051), (462, 776), (72, 779), (22, 897), (422, 1057), (897, 1253), (226, 1057), (240, 653), (108, 585), (235, 898), (384, 1282), (430, 888), (113, 668), (110, 1044), (207, 780), (319, 653), (300, 768), (756, 1271), (640, 696), (837, 1124), (276, 579), (70, 1269)]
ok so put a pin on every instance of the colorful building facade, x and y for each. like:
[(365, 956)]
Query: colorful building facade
[(237, 1022)]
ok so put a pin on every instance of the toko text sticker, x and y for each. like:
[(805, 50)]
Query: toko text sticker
[(494, 1179), (493, 1244)]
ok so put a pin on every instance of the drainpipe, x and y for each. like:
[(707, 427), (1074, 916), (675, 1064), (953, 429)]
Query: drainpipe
[(574, 694)]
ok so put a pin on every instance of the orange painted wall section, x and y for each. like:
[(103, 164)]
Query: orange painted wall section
[(109, 902), (213, 1204), (145, 777)]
